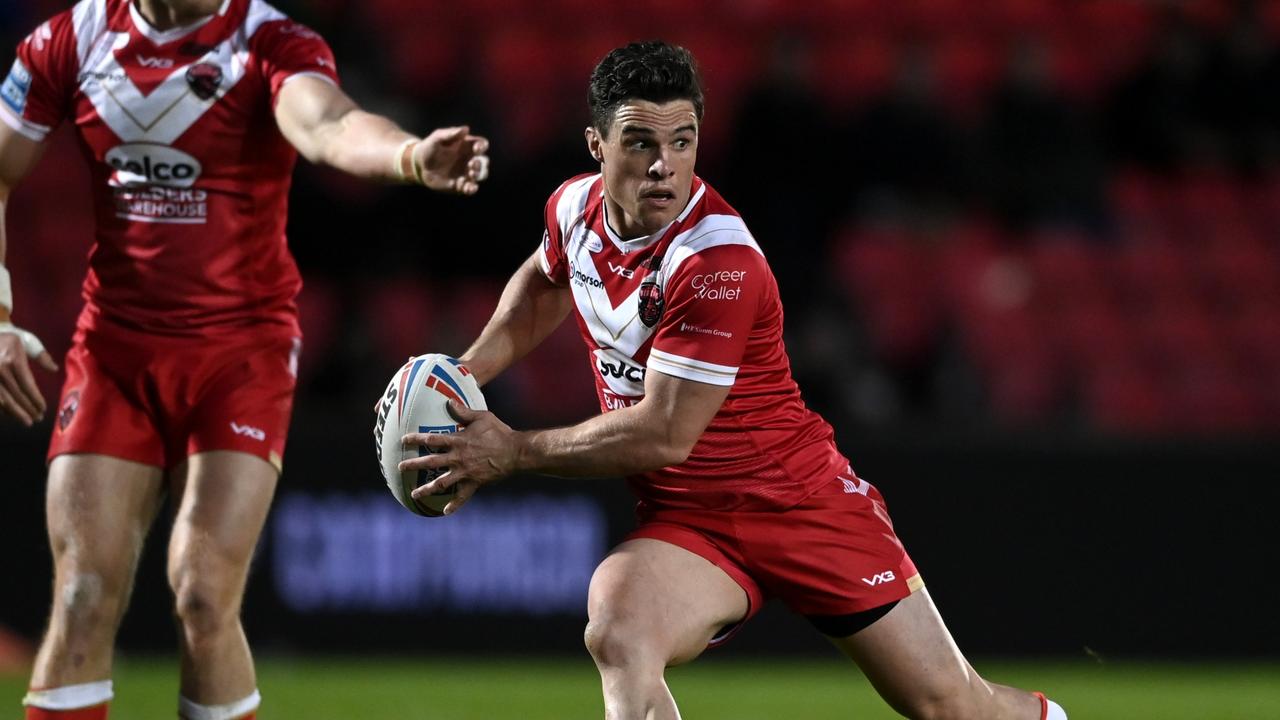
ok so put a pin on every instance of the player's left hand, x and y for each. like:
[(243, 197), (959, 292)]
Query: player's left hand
[(485, 453), (452, 160)]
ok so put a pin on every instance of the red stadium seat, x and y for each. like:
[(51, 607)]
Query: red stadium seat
[(1125, 400), (320, 313), (890, 278), (852, 70), (399, 317)]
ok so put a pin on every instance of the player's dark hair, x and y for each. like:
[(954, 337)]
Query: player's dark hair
[(653, 71)]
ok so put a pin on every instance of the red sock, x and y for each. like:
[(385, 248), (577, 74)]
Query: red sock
[(94, 712)]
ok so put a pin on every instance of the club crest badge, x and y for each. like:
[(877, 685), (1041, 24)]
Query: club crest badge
[(68, 411), (651, 301), (204, 79)]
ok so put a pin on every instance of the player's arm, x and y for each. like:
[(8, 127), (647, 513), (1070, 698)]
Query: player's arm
[(328, 127), (659, 431), (19, 395), (531, 307)]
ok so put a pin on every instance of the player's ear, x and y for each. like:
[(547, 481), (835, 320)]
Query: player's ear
[(594, 144)]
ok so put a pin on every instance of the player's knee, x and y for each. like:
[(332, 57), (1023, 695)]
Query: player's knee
[(614, 643), (203, 606), (86, 600)]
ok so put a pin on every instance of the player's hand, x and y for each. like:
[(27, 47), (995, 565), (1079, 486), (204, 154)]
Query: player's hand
[(452, 160), (485, 453), (19, 395)]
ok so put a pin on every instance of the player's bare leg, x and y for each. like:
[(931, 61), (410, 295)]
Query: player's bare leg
[(222, 501), (911, 659), (98, 510), (653, 605)]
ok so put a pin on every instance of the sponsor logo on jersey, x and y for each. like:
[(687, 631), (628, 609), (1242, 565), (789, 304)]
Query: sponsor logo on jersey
[(582, 279), (620, 373), (715, 285), (103, 76), (620, 370), (687, 328), (16, 87), (155, 62), (248, 431), (68, 411), (204, 79), (614, 401), (621, 270), (163, 205), (880, 578), (148, 164)]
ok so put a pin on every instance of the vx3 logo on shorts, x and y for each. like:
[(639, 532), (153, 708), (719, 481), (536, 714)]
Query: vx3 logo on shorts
[(880, 578), (855, 485), (248, 431)]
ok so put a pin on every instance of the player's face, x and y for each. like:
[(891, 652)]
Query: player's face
[(647, 161)]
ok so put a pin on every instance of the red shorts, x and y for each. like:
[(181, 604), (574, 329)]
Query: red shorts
[(833, 554), (157, 400)]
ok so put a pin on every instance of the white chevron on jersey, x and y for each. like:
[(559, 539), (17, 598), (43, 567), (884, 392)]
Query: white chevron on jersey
[(617, 328), (169, 110)]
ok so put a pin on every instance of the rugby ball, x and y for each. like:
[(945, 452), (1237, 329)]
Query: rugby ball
[(415, 401)]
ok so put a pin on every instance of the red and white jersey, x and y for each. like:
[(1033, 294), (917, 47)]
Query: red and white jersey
[(190, 172), (696, 301)]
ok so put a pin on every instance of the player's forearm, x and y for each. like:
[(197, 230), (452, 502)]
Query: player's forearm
[(618, 443), (529, 310), (365, 145)]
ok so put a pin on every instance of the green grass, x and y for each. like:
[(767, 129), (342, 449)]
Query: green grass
[(532, 689)]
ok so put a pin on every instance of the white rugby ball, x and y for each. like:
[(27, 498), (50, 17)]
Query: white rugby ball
[(415, 401)]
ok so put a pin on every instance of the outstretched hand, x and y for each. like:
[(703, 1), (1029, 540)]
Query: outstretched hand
[(452, 160), (19, 395), (484, 451)]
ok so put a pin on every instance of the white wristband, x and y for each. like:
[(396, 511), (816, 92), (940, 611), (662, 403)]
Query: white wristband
[(398, 161), (30, 342), (6, 290)]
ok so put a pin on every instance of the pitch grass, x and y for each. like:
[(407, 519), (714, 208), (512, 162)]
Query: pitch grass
[(373, 688)]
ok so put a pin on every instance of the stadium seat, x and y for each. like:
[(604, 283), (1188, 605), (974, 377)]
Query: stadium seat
[(321, 314), (849, 71), (407, 331), (890, 279), (1125, 400)]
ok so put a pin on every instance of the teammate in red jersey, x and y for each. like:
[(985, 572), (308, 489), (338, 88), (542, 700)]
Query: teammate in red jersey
[(191, 114), (743, 494)]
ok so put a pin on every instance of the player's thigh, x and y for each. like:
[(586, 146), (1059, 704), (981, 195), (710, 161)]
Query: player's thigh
[(221, 503), (909, 655), (652, 596), (98, 510)]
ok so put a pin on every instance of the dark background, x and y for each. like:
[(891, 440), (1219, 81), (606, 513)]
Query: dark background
[(1029, 250)]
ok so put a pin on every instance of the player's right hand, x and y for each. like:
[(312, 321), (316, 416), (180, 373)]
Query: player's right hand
[(19, 395)]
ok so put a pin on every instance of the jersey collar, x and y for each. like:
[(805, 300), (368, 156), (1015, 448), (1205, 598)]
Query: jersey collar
[(640, 243), (162, 37)]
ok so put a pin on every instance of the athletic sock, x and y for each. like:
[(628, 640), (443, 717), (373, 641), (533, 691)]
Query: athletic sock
[(86, 701), (243, 709), (1050, 710)]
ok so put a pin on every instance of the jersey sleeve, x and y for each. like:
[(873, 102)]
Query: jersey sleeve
[(36, 93), (286, 49), (713, 300), (551, 256)]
